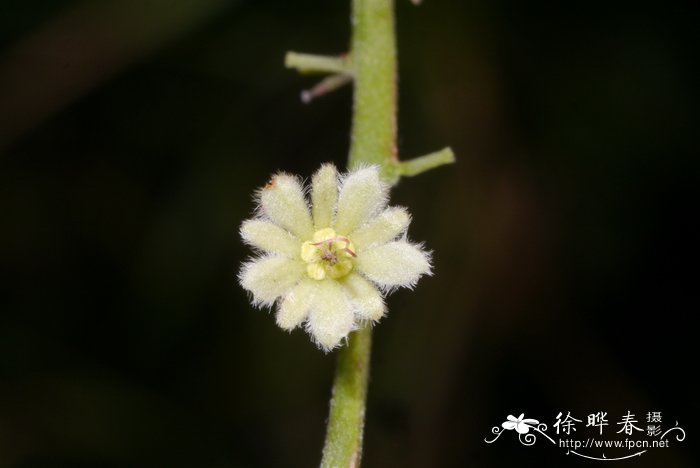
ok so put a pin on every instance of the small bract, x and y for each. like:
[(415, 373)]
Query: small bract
[(329, 267)]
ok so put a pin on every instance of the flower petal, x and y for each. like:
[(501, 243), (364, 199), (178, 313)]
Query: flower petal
[(382, 229), (270, 238), (522, 428), (282, 200), (394, 264), (270, 277), (324, 195), (361, 195), (331, 317), (295, 307), (508, 425), (366, 299)]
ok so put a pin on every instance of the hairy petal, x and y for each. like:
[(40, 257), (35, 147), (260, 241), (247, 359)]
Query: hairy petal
[(282, 200), (324, 195), (331, 317), (394, 264), (386, 227), (365, 297), (270, 277), (361, 196), (270, 238), (295, 307)]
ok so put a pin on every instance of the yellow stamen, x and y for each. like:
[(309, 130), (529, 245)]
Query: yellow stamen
[(328, 254)]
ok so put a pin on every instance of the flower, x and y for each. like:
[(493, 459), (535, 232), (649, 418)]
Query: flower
[(330, 267), (522, 426)]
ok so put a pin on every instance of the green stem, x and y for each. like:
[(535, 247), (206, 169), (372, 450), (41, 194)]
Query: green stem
[(310, 63), (346, 422), (373, 141), (421, 164)]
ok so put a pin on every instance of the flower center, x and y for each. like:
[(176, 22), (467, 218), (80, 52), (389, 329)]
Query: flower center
[(328, 255)]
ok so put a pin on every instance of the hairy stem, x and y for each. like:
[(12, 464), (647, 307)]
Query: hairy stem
[(373, 141), (346, 422), (373, 138)]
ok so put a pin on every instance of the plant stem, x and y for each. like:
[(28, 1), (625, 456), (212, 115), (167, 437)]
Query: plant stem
[(373, 138), (421, 164), (328, 84), (373, 141), (312, 63), (346, 422)]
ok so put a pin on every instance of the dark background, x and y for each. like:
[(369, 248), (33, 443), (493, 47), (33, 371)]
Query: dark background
[(133, 133)]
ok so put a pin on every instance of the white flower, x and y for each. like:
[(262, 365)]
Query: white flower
[(329, 267), (522, 426)]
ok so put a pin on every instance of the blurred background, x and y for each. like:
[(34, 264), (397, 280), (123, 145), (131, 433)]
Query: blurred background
[(133, 134)]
